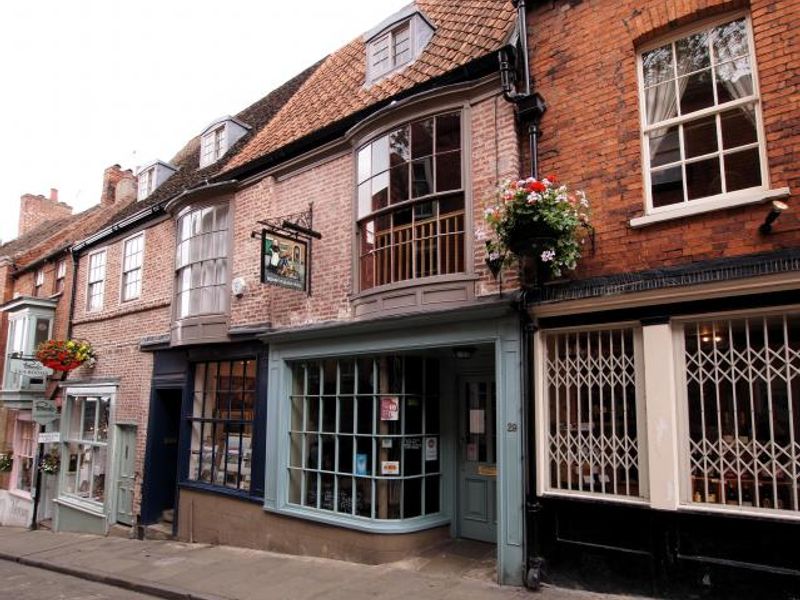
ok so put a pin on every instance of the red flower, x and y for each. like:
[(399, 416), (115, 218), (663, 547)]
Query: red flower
[(551, 178), (536, 186)]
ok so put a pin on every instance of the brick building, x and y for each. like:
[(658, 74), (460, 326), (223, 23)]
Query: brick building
[(679, 119), (36, 279)]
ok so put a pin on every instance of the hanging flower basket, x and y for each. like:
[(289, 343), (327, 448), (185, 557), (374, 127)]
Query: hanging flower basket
[(539, 220), (50, 462), (65, 355)]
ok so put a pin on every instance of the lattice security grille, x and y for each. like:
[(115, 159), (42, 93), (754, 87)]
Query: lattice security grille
[(743, 393), (591, 387)]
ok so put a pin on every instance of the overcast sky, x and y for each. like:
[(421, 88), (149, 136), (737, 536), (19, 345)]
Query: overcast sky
[(89, 83)]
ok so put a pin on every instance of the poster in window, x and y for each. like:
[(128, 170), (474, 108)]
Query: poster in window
[(283, 261), (390, 408), (431, 448), (390, 467)]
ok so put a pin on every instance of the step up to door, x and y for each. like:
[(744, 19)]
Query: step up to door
[(168, 516), (159, 531), (121, 531)]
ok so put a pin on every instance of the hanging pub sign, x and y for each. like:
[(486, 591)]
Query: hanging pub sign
[(283, 260), (286, 250)]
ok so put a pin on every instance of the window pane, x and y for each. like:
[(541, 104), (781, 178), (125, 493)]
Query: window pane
[(448, 171), (702, 178), (664, 146), (98, 473), (696, 92), (660, 102), (448, 132), (364, 163), (658, 66), (380, 154), (692, 53), (422, 138), (730, 41), (700, 136), (412, 498), (422, 174), (399, 183), (364, 199), (734, 80), (742, 170), (380, 191), (89, 416), (398, 146), (738, 127), (667, 186)]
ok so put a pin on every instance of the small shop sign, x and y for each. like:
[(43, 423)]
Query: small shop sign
[(390, 467), (49, 437), (44, 411), (390, 408), (431, 448), (28, 367), (283, 261)]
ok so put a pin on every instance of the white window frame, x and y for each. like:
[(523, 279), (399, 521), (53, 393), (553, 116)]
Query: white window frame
[(61, 276), (126, 269), (388, 37), (542, 421), (214, 144), (146, 182), (21, 338), (101, 281), (22, 420), (64, 497), (685, 501), (725, 199), (38, 281)]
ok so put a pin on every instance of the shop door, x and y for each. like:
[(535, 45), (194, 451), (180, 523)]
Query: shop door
[(126, 466), (477, 507)]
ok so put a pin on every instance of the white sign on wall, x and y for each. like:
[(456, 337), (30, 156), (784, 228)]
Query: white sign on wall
[(49, 437)]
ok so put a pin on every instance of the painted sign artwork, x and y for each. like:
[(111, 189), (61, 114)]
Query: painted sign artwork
[(283, 261)]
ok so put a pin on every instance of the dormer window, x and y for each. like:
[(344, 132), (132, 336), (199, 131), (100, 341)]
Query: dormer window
[(396, 42), (218, 137), (152, 176)]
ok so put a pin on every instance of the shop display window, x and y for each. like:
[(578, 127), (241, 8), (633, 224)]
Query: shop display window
[(221, 424), (364, 437), (592, 406), (85, 448), (743, 408)]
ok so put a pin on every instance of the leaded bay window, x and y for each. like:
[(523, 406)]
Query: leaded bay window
[(594, 412), (221, 423), (97, 280), (85, 448), (202, 261), (702, 130), (133, 254), (411, 203), (743, 406), (364, 437)]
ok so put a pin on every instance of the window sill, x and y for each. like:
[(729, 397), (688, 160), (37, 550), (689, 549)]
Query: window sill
[(94, 509), (222, 491), (362, 523), (751, 512), (597, 497), (700, 207)]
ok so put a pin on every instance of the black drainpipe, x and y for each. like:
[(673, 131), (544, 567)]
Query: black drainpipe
[(530, 107)]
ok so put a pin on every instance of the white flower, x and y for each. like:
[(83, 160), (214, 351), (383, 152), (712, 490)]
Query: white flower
[(548, 256)]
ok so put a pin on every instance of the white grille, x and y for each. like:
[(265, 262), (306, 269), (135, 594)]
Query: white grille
[(591, 387), (743, 390)]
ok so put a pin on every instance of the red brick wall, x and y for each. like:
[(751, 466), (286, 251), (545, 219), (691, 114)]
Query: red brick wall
[(583, 59), (35, 210), (115, 331)]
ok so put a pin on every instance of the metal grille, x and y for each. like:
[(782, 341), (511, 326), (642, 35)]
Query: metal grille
[(591, 385), (743, 385)]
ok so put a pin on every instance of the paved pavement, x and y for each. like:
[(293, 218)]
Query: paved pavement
[(201, 572), (28, 583)]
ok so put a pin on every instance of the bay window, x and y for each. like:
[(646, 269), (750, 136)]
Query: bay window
[(411, 203), (84, 451), (364, 437), (742, 386), (702, 130), (202, 261), (222, 423)]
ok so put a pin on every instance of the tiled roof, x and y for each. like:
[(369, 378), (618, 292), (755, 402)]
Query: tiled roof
[(465, 30), (187, 160), (51, 234)]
